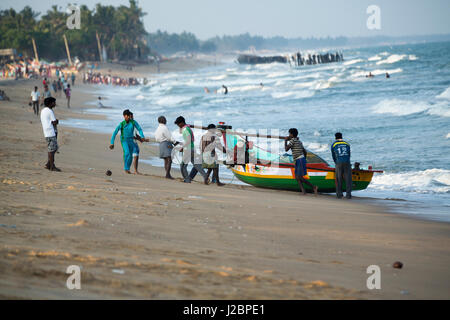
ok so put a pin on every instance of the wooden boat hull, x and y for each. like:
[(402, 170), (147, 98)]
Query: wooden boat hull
[(283, 178)]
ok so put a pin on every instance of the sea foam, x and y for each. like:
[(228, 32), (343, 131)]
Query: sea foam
[(374, 58), (404, 107), (350, 62), (445, 94), (393, 59), (426, 181), (293, 94), (316, 146)]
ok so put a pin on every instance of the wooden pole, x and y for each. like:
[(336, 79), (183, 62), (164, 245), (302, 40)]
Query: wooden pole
[(99, 47), (67, 49), (255, 135), (35, 50)]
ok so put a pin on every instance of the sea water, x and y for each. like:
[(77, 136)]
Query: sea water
[(399, 125)]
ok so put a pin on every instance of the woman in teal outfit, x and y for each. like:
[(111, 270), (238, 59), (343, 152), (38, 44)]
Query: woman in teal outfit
[(129, 146)]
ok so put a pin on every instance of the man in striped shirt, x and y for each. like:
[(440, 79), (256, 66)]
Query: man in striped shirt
[(299, 154)]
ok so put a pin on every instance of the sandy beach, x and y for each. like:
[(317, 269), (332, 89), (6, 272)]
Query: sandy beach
[(145, 237)]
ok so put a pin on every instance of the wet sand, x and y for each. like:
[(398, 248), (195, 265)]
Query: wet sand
[(145, 237)]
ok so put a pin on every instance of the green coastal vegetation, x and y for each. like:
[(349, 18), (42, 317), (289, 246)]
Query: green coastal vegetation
[(120, 29)]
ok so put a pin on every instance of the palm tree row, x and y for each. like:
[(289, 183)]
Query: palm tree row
[(120, 29)]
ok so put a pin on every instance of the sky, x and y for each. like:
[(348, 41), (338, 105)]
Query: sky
[(288, 18)]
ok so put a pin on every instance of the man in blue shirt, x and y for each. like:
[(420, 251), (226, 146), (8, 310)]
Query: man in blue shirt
[(340, 150), (129, 146)]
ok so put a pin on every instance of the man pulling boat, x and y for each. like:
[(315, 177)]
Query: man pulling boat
[(299, 154)]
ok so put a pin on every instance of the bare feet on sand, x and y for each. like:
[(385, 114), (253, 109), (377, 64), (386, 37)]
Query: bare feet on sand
[(128, 171)]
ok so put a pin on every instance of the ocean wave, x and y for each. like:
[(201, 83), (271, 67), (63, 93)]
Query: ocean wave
[(427, 181), (266, 66), (293, 94), (393, 59), (404, 107), (245, 88), (441, 110), (221, 77), (172, 100), (277, 74), (448, 135), (350, 62), (308, 84), (316, 146), (325, 84), (247, 73), (374, 58), (399, 107), (445, 94)]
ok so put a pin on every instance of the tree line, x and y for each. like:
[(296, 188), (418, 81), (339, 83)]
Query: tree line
[(170, 43), (120, 30)]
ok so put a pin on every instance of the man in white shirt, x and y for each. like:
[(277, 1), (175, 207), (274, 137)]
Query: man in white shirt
[(49, 122), (35, 95), (166, 143)]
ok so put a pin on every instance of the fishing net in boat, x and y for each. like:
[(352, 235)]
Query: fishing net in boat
[(256, 153)]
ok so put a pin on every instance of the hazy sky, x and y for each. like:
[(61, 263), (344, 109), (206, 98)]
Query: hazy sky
[(289, 18)]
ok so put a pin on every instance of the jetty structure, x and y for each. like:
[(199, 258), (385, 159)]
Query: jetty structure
[(297, 59)]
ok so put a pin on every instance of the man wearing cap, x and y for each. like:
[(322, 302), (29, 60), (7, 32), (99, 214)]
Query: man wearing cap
[(340, 150)]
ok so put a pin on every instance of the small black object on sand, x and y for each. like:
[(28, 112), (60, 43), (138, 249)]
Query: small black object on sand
[(108, 172), (397, 265)]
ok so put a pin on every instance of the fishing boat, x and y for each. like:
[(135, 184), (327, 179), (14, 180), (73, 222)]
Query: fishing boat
[(282, 175), (265, 169)]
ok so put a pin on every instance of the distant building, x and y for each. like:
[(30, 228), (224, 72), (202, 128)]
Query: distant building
[(7, 54)]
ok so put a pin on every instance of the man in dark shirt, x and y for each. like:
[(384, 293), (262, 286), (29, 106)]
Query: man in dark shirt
[(340, 150)]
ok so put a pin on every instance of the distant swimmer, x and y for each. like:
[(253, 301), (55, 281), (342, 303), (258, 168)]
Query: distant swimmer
[(206, 90), (225, 89), (261, 85), (370, 75), (387, 75), (100, 104)]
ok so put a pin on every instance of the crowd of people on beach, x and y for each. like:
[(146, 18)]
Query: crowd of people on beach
[(98, 78), (61, 85), (32, 69)]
